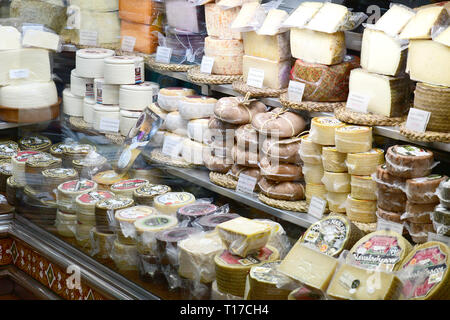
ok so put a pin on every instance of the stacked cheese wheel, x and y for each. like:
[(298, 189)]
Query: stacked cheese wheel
[(279, 156), (441, 214)]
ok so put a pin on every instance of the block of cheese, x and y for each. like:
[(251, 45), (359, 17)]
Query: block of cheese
[(139, 11), (354, 283), (250, 16), (276, 74), (444, 37), (330, 18), (303, 14), (146, 40), (97, 5), (318, 47), (29, 95), (429, 61), (243, 236), (107, 25), (183, 15), (419, 27), (322, 82), (382, 54), (395, 19), (427, 274), (309, 266), (10, 38), (218, 22), (436, 100), (41, 39), (272, 24), (274, 47), (170, 202), (227, 55), (388, 96)]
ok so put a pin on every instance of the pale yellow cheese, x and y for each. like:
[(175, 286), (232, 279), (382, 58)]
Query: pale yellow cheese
[(420, 26)]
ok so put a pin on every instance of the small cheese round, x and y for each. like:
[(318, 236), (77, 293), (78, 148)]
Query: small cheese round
[(170, 202), (72, 104), (79, 86), (323, 130), (353, 139), (89, 62), (126, 187), (169, 98), (196, 107), (29, 95), (124, 70)]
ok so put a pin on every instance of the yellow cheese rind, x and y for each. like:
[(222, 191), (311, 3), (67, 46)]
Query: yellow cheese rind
[(170, 202), (420, 26)]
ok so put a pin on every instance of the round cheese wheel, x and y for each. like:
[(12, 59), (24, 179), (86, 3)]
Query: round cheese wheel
[(192, 151), (79, 86), (125, 256), (68, 191), (137, 97), (105, 112), (366, 163), (124, 70), (56, 176), (170, 202), (8, 149), (409, 161), (169, 98), (29, 95), (85, 203), (279, 122), (361, 210), (245, 158), (387, 182), (18, 164), (310, 152), (126, 218), (323, 130), (389, 216), (315, 190), (147, 228), (88, 110), (195, 211), (72, 104), (227, 55), (264, 281), (126, 187), (106, 93), (237, 170), (106, 179), (145, 194), (280, 171), (333, 160), (423, 190), (336, 182), (291, 191), (170, 238), (196, 129), (127, 120), (196, 107), (35, 142), (363, 188), (89, 62), (313, 173), (353, 139), (391, 201), (337, 202), (418, 213), (176, 124)]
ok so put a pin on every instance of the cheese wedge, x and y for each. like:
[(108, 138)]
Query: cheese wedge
[(419, 27)]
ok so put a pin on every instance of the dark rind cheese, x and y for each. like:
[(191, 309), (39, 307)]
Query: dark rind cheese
[(408, 161)]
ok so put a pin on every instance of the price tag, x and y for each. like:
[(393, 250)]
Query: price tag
[(109, 125), (295, 91), (255, 78), (207, 65), (163, 54), (437, 237), (128, 43), (19, 73), (417, 120), (171, 147), (88, 38), (246, 183), (358, 102), (317, 207), (389, 225)]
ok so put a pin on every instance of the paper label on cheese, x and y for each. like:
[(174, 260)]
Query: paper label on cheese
[(207, 64), (417, 120), (151, 190), (328, 235), (175, 198), (128, 43), (88, 38), (317, 207), (23, 156), (246, 183), (378, 252), (19, 73), (429, 266), (129, 184), (296, 90), (138, 72), (328, 121), (228, 258), (89, 93), (255, 77), (110, 125), (163, 54), (156, 221), (358, 102), (133, 213), (95, 196), (77, 185), (411, 151)]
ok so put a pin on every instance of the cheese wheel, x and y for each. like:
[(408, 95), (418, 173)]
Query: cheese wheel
[(391, 201), (441, 215), (194, 211), (279, 123), (103, 242), (389, 216), (13, 190), (290, 191), (315, 190), (227, 55), (176, 124), (196, 129), (34, 167), (333, 160), (106, 179), (363, 188), (35, 142), (323, 130), (124, 70), (167, 241), (337, 202), (263, 281), (5, 173), (409, 161), (147, 228), (366, 163), (29, 95), (106, 208), (353, 139), (280, 171), (192, 151), (310, 152), (423, 190), (18, 164), (137, 97), (218, 21), (88, 110), (361, 210), (89, 62), (105, 112), (85, 203), (423, 283), (125, 256), (106, 93), (126, 188), (79, 86), (8, 149), (196, 107), (72, 104), (245, 158), (127, 121), (387, 182), (336, 182), (247, 138), (170, 202), (77, 151), (145, 194), (54, 177), (68, 191), (169, 98), (418, 213), (65, 224), (177, 140), (125, 219), (313, 173)]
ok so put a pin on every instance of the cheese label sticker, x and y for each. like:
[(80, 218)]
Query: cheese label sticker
[(246, 183), (417, 120), (23, 156), (328, 121), (88, 38), (89, 93), (263, 255), (77, 185), (296, 90), (156, 221), (317, 207), (114, 203), (109, 125), (95, 196), (255, 78), (358, 102), (438, 237), (163, 54), (428, 267), (328, 235), (151, 190), (133, 213), (207, 64), (411, 151), (19, 73), (128, 43), (129, 184), (389, 225), (378, 252), (174, 198)]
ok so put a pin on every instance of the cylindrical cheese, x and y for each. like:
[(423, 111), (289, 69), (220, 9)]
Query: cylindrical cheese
[(353, 139), (313, 173), (72, 104), (363, 188), (128, 120), (409, 161), (170, 202), (106, 93), (85, 203), (169, 98), (89, 62), (315, 190), (125, 256), (337, 202), (196, 107), (18, 164), (80, 86), (227, 55), (361, 210), (176, 124), (336, 182), (310, 152), (137, 97), (65, 224), (148, 227), (323, 130), (126, 188), (125, 218), (105, 112), (196, 129), (88, 110), (423, 190), (29, 95), (366, 163), (192, 151), (68, 191), (333, 160), (124, 70)]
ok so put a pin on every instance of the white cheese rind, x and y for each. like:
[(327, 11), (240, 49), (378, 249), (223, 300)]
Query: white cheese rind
[(72, 104), (29, 95)]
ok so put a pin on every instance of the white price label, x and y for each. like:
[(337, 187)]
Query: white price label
[(358, 102), (128, 43), (171, 147), (437, 237), (88, 38), (207, 65), (246, 183), (255, 78), (417, 120), (163, 54), (295, 91), (109, 125), (317, 207), (389, 225), (19, 73)]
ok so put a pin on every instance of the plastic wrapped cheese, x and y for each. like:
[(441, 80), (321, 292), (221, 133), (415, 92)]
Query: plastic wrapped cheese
[(322, 130), (124, 70), (81, 86), (187, 47), (309, 151), (409, 161), (185, 16), (140, 11), (361, 210), (275, 47), (170, 202), (337, 201), (196, 129), (285, 150), (363, 187), (336, 182), (287, 190), (364, 163), (353, 139), (333, 160), (10, 38), (88, 110), (227, 55), (313, 173), (137, 97), (146, 41), (196, 107), (98, 5), (276, 73), (218, 21)]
